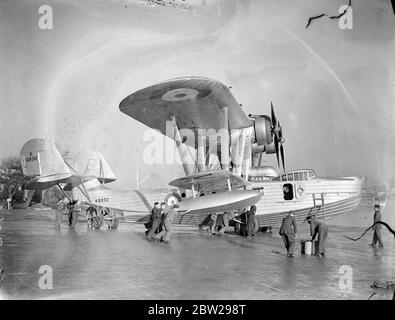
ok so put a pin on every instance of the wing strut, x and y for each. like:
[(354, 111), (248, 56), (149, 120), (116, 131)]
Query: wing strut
[(238, 153), (64, 193), (181, 147), (224, 125), (201, 153), (83, 191)]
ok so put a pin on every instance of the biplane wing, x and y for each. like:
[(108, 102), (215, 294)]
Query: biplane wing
[(194, 101), (211, 181)]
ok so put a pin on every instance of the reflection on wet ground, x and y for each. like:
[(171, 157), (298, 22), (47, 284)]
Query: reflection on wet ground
[(121, 264)]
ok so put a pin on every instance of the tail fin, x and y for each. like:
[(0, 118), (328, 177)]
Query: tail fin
[(40, 157), (92, 163)]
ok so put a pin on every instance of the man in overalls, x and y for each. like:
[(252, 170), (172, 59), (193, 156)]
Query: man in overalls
[(288, 232), (59, 213), (213, 223), (377, 227), (321, 229), (168, 217), (90, 214), (75, 211), (227, 216)]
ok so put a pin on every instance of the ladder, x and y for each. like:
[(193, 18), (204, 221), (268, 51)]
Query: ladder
[(319, 197)]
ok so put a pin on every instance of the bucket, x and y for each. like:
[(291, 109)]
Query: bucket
[(306, 247)]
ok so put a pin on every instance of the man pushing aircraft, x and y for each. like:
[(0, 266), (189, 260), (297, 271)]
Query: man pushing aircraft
[(157, 219)]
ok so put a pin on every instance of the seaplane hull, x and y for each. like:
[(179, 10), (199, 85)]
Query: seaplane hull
[(335, 208), (326, 197), (339, 196)]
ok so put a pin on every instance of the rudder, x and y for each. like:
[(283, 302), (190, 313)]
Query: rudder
[(40, 157)]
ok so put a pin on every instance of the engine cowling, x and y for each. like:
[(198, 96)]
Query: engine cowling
[(263, 130), (264, 171), (172, 198)]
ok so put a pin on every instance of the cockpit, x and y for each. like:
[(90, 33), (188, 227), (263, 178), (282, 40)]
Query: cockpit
[(297, 175)]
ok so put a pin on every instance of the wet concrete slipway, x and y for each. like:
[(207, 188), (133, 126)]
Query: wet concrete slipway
[(121, 264)]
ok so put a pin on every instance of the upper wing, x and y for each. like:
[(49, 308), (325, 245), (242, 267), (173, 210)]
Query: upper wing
[(194, 101), (210, 181)]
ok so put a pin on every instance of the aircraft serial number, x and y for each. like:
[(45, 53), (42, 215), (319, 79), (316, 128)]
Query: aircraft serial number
[(102, 200), (31, 158)]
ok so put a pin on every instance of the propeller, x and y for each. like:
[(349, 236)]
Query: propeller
[(277, 132)]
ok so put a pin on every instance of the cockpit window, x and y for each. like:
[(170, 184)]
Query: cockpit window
[(297, 176), (311, 174)]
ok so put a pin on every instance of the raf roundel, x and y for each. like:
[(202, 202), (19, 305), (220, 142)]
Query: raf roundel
[(180, 94)]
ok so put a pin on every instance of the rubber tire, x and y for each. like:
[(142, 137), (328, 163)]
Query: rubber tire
[(237, 227), (97, 222), (256, 229), (114, 224), (242, 228), (172, 194)]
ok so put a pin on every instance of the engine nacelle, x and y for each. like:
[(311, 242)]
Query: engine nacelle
[(263, 130), (264, 171), (172, 198)]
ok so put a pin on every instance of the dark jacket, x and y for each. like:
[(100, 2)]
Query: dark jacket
[(154, 213), (317, 227), (288, 226)]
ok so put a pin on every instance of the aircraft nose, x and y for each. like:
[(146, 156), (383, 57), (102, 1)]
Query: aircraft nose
[(360, 182)]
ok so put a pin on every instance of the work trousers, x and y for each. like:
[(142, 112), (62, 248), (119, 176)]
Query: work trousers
[(74, 219), (59, 215), (289, 241), (70, 216), (251, 225), (213, 222), (155, 226), (322, 241), (377, 238), (225, 225)]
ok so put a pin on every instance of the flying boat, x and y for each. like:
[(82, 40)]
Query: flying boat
[(222, 150)]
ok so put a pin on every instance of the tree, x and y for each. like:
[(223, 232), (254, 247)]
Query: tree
[(12, 179)]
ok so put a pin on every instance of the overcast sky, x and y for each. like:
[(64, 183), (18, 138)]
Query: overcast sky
[(333, 89)]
